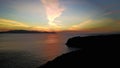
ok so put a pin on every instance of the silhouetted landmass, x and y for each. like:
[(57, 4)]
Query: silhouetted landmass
[(96, 52), (25, 31), (94, 41)]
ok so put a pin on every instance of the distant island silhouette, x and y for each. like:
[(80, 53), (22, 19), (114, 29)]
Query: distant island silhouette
[(95, 51), (25, 31)]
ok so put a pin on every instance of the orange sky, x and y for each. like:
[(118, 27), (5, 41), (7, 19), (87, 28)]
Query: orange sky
[(60, 15)]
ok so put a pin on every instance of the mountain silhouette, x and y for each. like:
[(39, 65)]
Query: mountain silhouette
[(25, 31)]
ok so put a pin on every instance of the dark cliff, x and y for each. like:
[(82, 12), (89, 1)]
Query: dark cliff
[(97, 51), (94, 41)]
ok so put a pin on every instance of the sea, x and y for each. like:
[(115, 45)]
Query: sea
[(32, 50)]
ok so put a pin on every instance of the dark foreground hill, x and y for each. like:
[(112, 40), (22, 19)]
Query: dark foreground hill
[(97, 52)]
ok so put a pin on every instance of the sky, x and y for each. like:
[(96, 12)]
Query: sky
[(60, 15)]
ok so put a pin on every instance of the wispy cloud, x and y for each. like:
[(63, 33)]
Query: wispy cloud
[(111, 12), (53, 10), (12, 23), (110, 9), (39, 28), (6, 24), (101, 25)]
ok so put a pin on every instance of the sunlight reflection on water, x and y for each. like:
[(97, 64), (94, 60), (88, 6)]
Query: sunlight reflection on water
[(30, 50)]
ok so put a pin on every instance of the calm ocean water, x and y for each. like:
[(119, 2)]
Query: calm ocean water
[(31, 50)]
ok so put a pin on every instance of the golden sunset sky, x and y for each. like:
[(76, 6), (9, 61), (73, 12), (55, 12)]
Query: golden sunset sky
[(60, 15)]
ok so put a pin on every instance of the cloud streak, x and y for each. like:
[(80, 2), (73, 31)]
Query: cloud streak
[(111, 12), (53, 10), (12, 23), (6, 25), (101, 25)]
